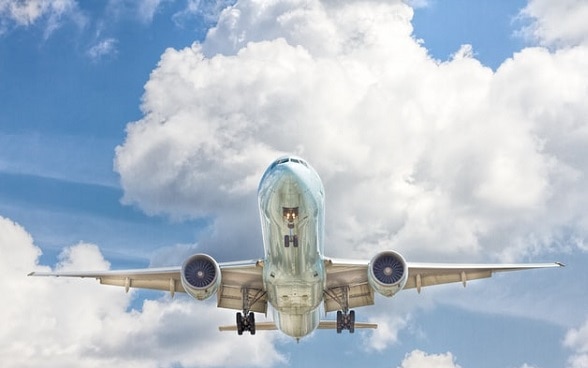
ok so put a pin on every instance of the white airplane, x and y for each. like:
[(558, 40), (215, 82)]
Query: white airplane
[(294, 276)]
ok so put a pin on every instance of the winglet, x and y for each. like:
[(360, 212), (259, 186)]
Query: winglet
[(560, 264), (31, 273)]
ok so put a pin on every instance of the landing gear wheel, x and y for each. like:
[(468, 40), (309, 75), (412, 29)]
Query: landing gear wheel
[(346, 321), (352, 321), (239, 324), (246, 323), (286, 241), (251, 320), (295, 241)]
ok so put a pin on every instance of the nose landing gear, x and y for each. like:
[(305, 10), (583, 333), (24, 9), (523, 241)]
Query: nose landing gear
[(290, 216), (290, 239)]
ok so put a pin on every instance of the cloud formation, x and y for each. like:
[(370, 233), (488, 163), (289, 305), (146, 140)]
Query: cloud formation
[(101, 49), (75, 323), (412, 150), (491, 162), (577, 340), (438, 158), (417, 359), (28, 12), (557, 23)]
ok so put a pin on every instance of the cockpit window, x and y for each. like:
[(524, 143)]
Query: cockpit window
[(288, 159)]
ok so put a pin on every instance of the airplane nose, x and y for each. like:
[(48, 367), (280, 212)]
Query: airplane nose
[(288, 187)]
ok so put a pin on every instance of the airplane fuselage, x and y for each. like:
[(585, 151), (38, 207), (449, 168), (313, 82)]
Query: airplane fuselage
[(291, 203)]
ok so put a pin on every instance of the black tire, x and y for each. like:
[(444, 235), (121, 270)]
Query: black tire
[(286, 241), (239, 323), (295, 241), (352, 321), (339, 322), (252, 323)]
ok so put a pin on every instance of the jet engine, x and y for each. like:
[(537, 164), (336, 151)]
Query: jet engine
[(387, 273), (201, 276)]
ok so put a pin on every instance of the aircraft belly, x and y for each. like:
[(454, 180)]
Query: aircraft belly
[(297, 325), (295, 297)]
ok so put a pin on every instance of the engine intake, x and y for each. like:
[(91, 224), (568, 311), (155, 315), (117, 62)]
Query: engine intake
[(387, 273), (201, 276)]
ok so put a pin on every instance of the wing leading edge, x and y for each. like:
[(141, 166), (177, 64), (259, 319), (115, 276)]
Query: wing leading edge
[(235, 277), (351, 277)]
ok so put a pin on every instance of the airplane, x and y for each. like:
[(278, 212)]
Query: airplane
[(295, 277)]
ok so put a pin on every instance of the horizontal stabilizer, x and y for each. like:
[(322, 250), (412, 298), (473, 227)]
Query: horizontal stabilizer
[(259, 326), (332, 325), (323, 325)]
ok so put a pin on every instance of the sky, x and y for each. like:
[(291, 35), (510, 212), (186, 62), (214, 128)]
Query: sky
[(134, 134)]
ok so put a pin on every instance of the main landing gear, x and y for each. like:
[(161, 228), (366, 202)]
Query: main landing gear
[(345, 317), (246, 323), (346, 321), (246, 320)]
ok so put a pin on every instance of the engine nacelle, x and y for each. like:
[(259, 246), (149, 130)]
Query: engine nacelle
[(387, 273), (201, 276)]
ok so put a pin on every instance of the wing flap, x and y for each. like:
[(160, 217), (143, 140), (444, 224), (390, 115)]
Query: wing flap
[(347, 276), (239, 281)]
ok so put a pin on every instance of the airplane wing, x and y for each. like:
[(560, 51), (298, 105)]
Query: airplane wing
[(235, 276), (351, 277)]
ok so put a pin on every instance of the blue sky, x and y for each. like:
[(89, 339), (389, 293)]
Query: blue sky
[(134, 135)]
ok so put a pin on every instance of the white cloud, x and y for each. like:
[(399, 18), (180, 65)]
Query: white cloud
[(147, 9), (492, 163), (197, 9), (28, 12), (418, 359), (556, 23), (103, 48), (577, 340), (79, 323), (389, 326), (143, 11)]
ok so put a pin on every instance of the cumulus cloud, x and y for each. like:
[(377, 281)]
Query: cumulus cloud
[(417, 359), (556, 23), (388, 329), (80, 323), (411, 150), (577, 340)]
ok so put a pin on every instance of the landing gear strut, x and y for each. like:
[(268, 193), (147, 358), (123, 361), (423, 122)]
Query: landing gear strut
[(290, 216)]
